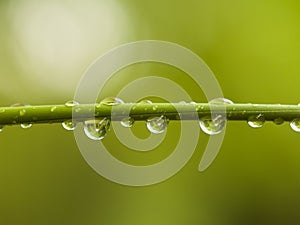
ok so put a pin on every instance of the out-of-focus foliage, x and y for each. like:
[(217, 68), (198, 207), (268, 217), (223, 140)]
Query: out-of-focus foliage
[(252, 47)]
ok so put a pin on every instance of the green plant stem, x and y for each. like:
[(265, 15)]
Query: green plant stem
[(141, 111)]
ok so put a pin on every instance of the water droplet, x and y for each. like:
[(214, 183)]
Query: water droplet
[(193, 103), (22, 112), (71, 103), (69, 125), (127, 122), (278, 121), (26, 125), (77, 110), (295, 124), (221, 101), (112, 101), (157, 125), (96, 129), (145, 101), (215, 123), (256, 121), (1, 128), (212, 126), (53, 108)]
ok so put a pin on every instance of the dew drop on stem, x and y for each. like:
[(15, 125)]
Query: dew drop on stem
[(112, 101), (157, 125), (70, 103), (127, 122), (69, 125), (22, 112), (96, 129), (295, 124), (215, 123), (256, 121)]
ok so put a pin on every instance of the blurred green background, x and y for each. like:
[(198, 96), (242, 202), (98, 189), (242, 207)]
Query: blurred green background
[(252, 47)]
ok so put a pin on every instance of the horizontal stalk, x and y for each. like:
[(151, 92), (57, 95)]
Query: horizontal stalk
[(142, 111)]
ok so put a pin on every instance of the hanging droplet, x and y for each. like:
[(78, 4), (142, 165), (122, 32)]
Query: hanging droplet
[(256, 121), (112, 101), (69, 125), (157, 125), (26, 125), (96, 129), (212, 126), (70, 103), (278, 121), (295, 124), (127, 122), (22, 112), (215, 123)]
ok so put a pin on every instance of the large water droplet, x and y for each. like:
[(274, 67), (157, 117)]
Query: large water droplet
[(256, 121), (127, 122), (112, 101), (145, 101), (157, 125), (295, 124), (70, 103), (212, 126), (96, 129), (22, 112), (215, 123), (69, 125)]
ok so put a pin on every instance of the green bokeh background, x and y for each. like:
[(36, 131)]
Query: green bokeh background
[(253, 49)]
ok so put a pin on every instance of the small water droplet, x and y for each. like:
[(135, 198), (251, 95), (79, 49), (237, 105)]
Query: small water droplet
[(77, 110), (295, 124), (96, 129), (112, 101), (155, 107), (127, 122), (71, 103), (157, 125), (53, 108), (193, 103), (212, 126), (215, 123), (22, 112), (69, 125), (256, 121), (278, 121)]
